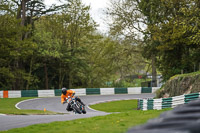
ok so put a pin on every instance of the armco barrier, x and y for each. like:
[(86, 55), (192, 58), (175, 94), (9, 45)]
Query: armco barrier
[(148, 104), (80, 92)]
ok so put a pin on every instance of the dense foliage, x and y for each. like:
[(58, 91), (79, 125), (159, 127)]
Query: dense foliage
[(51, 47), (169, 29)]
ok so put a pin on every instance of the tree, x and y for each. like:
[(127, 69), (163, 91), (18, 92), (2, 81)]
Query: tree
[(22, 15), (61, 49), (175, 35), (171, 32), (130, 23), (77, 24)]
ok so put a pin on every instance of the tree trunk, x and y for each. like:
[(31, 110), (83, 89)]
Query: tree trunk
[(154, 73), (23, 12), (20, 15)]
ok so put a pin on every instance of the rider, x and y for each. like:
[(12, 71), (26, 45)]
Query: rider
[(69, 93)]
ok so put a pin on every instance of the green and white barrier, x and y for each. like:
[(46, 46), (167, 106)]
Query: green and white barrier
[(46, 93), (107, 91), (178, 100), (14, 94), (79, 92), (134, 90), (29, 93), (158, 104), (1, 94), (92, 91)]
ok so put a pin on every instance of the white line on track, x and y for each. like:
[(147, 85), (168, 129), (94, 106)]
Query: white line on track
[(88, 106)]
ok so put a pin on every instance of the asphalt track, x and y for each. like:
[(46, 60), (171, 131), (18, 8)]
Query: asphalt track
[(53, 104)]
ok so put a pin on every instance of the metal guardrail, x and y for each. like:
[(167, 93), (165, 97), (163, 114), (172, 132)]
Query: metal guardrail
[(182, 119), (157, 104)]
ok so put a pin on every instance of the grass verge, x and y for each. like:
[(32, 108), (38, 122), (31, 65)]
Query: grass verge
[(116, 106), (7, 106), (113, 123)]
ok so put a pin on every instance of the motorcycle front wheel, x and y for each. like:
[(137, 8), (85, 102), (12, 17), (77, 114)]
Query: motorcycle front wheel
[(76, 109)]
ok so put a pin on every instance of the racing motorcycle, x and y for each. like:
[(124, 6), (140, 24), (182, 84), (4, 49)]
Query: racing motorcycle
[(77, 107)]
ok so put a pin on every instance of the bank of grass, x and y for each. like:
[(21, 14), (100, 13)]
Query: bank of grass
[(185, 75), (113, 123), (7, 106)]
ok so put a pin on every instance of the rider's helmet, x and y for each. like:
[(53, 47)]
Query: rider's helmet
[(64, 91)]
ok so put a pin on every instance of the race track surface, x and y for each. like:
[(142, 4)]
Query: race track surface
[(53, 104)]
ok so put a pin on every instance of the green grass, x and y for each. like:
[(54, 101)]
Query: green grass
[(7, 106), (113, 123), (116, 106)]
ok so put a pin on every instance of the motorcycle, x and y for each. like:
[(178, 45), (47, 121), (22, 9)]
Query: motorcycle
[(77, 107)]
